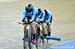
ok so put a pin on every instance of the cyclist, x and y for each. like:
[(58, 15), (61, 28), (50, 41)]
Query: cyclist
[(45, 17), (48, 20), (30, 13), (40, 20)]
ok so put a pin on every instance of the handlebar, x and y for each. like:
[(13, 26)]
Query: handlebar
[(23, 23)]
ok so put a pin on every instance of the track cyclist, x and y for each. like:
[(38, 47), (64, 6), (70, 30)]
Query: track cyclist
[(45, 17), (30, 13), (48, 20), (40, 20)]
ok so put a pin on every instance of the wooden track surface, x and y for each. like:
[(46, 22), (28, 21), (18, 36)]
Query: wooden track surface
[(11, 33)]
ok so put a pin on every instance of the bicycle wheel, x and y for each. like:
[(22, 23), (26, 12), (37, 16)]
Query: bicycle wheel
[(30, 37), (25, 41), (26, 45)]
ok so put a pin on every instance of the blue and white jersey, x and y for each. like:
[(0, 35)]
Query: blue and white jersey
[(48, 16), (32, 14), (42, 16)]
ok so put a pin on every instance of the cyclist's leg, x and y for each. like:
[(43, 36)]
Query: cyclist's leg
[(45, 33), (35, 32), (24, 28), (49, 30), (41, 30), (45, 29), (38, 30), (49, 27), (41, 34)]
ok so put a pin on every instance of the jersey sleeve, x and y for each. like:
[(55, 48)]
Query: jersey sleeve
[(49, 16), (34, 14), (24, 14), (42, 16)]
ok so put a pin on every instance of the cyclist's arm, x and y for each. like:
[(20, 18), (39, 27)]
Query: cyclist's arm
[(43, 16), (33, 15), (49, 16), (23, 16)]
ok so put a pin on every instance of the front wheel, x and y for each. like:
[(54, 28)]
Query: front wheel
[(25, 44)]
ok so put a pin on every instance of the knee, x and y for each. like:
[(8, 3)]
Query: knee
[(34, 27)]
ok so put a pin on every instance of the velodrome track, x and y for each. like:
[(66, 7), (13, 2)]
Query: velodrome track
[(11, 33)]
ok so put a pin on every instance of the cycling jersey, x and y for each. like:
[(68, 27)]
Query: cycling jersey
[(32, 15)]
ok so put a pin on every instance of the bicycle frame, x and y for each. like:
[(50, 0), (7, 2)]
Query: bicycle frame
[(27, 42)]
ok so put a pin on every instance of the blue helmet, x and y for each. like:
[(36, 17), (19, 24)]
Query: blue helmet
[(29, 8)]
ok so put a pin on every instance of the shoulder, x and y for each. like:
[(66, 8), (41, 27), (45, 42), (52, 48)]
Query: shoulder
[(43, 11), (35, 10), (24, 11), (49, 12)]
